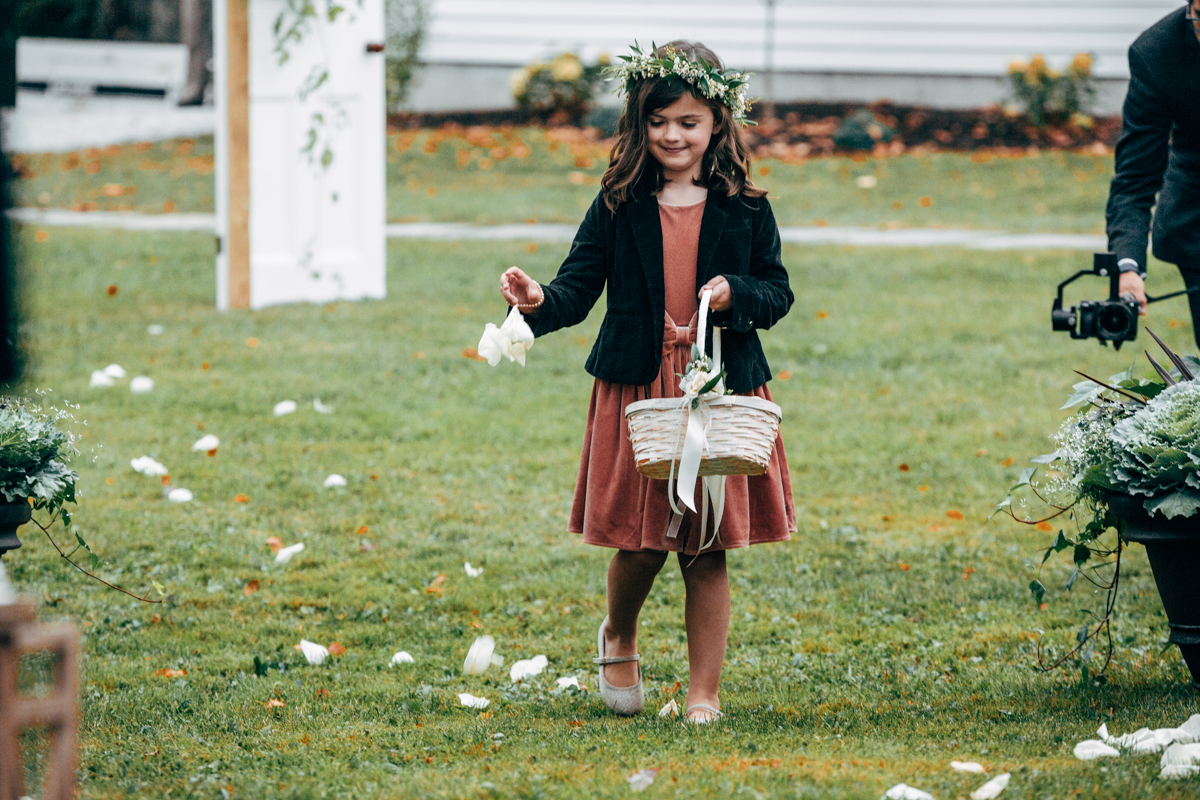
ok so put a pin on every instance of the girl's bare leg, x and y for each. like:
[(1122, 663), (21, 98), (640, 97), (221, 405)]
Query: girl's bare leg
[(630, 576), (706, 617)]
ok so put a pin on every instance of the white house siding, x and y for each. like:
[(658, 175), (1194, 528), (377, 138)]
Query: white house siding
[(939, 52)]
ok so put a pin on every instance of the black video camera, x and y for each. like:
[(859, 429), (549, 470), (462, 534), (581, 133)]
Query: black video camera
[(1113, 320)]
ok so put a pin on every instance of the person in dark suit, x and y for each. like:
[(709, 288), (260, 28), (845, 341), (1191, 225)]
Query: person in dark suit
[(1159, 154)]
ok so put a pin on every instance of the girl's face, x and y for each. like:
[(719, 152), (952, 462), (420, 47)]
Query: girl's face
[(679, 136)]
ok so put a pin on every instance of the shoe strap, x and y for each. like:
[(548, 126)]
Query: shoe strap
[(616, 659), (703, 707)]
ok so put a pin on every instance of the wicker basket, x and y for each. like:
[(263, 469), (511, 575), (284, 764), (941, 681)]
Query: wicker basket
[(741, 430), (741, 435)]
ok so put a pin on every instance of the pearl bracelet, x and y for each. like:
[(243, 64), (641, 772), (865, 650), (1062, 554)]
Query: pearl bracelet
[(538, 304)]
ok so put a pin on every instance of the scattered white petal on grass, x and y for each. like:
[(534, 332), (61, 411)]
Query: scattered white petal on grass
[(991, 789), (403, 657), (472, 572), (115, 371), (568, 683), (866, 181), (1143, 740), (902, 791), (320, 407), (147, 466), (966, 766), (155, 330), (512, 339), (528, 667), (1189, 731), (671, 709), (285, 553), (479, 657), (1180, 761), (285, 407), (313, 652), (206, 443), (180, 495), (334, 480), (1094, 748), (141, 385), (471, 701), (640, 780), (100, 380)]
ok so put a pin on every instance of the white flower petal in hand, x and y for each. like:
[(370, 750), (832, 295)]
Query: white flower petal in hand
[(472, 572), (519, 335), (902, 791), (114, 371), (320, 407), (285, 553), (100, 380), (334, 480), (206, 443), (1094, 748), (471, 701), (527, 668), (180, 495), (155, 330), (992, 789), (568, 683), (148, 466), (671, 709), (141, 385), (403, 657), (966, 766), (479, 657), (285, 407), (492, 344), (640, 780), (313, 652)]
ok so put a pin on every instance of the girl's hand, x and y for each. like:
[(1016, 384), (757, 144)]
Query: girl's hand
[(722, 295), (519, 289)]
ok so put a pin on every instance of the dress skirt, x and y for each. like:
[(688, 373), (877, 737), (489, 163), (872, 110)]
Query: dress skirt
[(616, 506)]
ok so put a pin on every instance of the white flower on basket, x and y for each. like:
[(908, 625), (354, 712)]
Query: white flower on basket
[(512, 339)]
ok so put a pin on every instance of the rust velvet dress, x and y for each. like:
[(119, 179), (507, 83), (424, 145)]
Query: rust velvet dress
[(615, 505)]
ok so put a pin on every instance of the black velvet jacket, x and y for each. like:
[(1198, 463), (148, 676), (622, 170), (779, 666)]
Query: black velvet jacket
[(738, 239), (1159, 149)]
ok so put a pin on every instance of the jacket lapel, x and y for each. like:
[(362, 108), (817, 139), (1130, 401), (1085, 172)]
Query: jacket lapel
[(647, 236), (712, 224)]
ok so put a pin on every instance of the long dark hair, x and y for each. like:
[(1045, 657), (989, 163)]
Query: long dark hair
[(726, 163)]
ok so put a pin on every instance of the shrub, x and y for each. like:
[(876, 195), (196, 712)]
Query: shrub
[(1053, 97), (559, 90), (33, 457)]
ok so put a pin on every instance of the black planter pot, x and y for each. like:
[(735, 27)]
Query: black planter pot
[(12, 516), (1173, 547)]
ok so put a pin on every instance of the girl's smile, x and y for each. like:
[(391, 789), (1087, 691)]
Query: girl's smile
[(678, 136)]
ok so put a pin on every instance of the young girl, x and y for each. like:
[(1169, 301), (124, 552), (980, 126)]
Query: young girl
[(677, 214)]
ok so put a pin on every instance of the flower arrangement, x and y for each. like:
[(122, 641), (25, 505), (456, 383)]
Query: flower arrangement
[(1134, 437), (560, 89), (701, 381), (1052, 96), (726, 86), (34, 454)]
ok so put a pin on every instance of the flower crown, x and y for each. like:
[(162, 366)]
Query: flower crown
[(725, 86)]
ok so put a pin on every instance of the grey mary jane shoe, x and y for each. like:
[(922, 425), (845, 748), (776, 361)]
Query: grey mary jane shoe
[(623, 700)]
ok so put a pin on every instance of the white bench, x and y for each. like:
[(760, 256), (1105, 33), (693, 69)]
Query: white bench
[(86, 67)]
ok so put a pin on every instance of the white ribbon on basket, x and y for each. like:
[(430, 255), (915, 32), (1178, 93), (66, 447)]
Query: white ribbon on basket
[(696, 442)]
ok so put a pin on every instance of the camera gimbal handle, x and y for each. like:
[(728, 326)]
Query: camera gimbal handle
[(1105, 265)]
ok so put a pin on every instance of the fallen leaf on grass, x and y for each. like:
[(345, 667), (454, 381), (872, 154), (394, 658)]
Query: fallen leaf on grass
[(471, 701), (112, 290), (241, 498), (336, 649), (206, 443), (966, 766), (403, 657), (902, 791), (904, 467), (472, 353), (363, 530), (436, 586), (141, 385), (274, 703), (472, 572), (250, 588), (367, 546), (285, 554), (479, 657), (528, 667), (171, 673), (275, 543), (313, 653), (991, 789), (641, 779), (334, 480), (958, 515), (285, 407), (1094, 748), (671, 709), (905, 567)]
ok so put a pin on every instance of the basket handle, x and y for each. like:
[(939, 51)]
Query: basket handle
[(702, 328)]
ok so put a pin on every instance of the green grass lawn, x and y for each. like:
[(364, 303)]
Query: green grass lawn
[(522, 174), (846, 674)]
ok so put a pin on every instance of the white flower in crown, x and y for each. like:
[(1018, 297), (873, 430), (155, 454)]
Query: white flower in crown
[(727, 86)]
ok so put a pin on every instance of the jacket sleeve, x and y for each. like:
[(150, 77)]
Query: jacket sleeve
[(763, 296), (580, 280), (1141, 160)]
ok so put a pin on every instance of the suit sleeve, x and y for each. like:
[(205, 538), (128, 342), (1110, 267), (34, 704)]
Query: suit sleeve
[(1141, 160), (762, 297), (581, 278)]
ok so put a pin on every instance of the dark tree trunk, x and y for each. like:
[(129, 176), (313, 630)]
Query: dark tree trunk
[(195, 30)]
